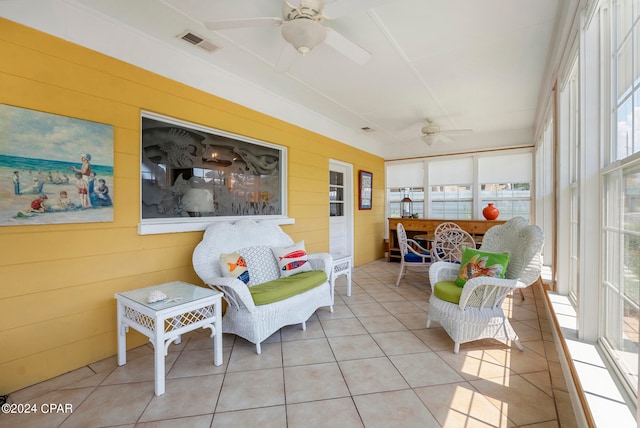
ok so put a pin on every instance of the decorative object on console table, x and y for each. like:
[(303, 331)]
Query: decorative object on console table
[(490, 212), (365, 194), (406, 206)]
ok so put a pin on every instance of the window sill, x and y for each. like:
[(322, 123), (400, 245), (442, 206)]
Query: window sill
[(153, 227), (595, 393)]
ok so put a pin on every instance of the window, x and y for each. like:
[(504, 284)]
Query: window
[(459, 187), (192, 175), (621, 183), (621, 293), (570, 101), (336, 194), (451, 184), (451, 202), (512, 199), (505, 181), (627, 82), (405, 179), (395, 195)]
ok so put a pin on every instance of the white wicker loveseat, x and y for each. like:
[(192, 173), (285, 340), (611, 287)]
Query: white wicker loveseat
[(479, 314), (254, 240)]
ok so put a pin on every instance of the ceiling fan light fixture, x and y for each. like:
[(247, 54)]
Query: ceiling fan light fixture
[(427, 139), (430, 129), (304, 34)]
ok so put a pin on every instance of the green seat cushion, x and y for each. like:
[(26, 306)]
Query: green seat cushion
[(448, 291), (283, 288)]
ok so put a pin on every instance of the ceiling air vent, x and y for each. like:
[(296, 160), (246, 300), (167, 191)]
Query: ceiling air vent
[(199, 41)]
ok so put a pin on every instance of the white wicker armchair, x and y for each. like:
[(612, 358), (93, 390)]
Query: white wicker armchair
[(253, 322), (479, 314)]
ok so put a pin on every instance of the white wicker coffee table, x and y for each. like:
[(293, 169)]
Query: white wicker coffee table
[(186, 308)]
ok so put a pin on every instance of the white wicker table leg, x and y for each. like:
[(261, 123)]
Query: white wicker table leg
[(341, 266)]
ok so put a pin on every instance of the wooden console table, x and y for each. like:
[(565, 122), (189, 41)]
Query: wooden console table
[(426, 226)]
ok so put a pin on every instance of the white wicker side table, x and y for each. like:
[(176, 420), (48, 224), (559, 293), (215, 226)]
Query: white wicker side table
[(341, 266), (186, 308)]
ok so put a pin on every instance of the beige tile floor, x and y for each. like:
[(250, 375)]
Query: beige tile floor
[(370, 363)]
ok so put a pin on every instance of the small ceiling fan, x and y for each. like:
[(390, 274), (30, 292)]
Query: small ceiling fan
[(302, 27), (431, 133)]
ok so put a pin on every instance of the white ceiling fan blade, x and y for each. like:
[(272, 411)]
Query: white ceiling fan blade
[(457, 131), (437, 138), (286, 58), (242, 23), (443, 139), (338, 8), (346, 47)]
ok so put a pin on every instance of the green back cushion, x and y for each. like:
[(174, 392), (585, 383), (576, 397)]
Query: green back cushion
[(283, 288), (481, 263), (448, 291)]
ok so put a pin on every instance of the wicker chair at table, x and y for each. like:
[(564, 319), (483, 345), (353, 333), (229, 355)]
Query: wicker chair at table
[(479, 314), (445, 225), (449, 243), (413, 255)]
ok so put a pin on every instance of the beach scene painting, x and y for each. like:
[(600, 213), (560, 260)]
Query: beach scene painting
[(54, 169)]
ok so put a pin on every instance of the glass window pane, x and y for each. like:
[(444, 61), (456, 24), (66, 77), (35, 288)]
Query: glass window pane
[(612, 311), (512, 199), (395, 195), (631, 217), (336, 209), (451, 202), (636, 57), (451, 210), (624, 19), (394, 210), (612, 259), (632, 267), (625, 69), (634, 145), (336, 194), (336, 178), (625, 131)]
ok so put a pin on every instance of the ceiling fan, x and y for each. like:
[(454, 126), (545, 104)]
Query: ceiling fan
[(302, 27), (431, 133)]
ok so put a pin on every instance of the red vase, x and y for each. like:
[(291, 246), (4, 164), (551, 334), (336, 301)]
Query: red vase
[(490, 212)]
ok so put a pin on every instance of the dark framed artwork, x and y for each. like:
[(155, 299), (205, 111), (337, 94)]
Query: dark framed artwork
[(191, 175), (55, 169), (365, 184)]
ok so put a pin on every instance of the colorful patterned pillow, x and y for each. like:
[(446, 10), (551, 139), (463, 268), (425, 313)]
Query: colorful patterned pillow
[(292, 260), (481, 263), (234, 265)]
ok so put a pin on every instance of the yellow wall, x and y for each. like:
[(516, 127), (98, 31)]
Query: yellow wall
[(58, 281)]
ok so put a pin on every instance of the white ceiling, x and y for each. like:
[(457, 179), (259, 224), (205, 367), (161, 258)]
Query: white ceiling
[(466, 64)]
